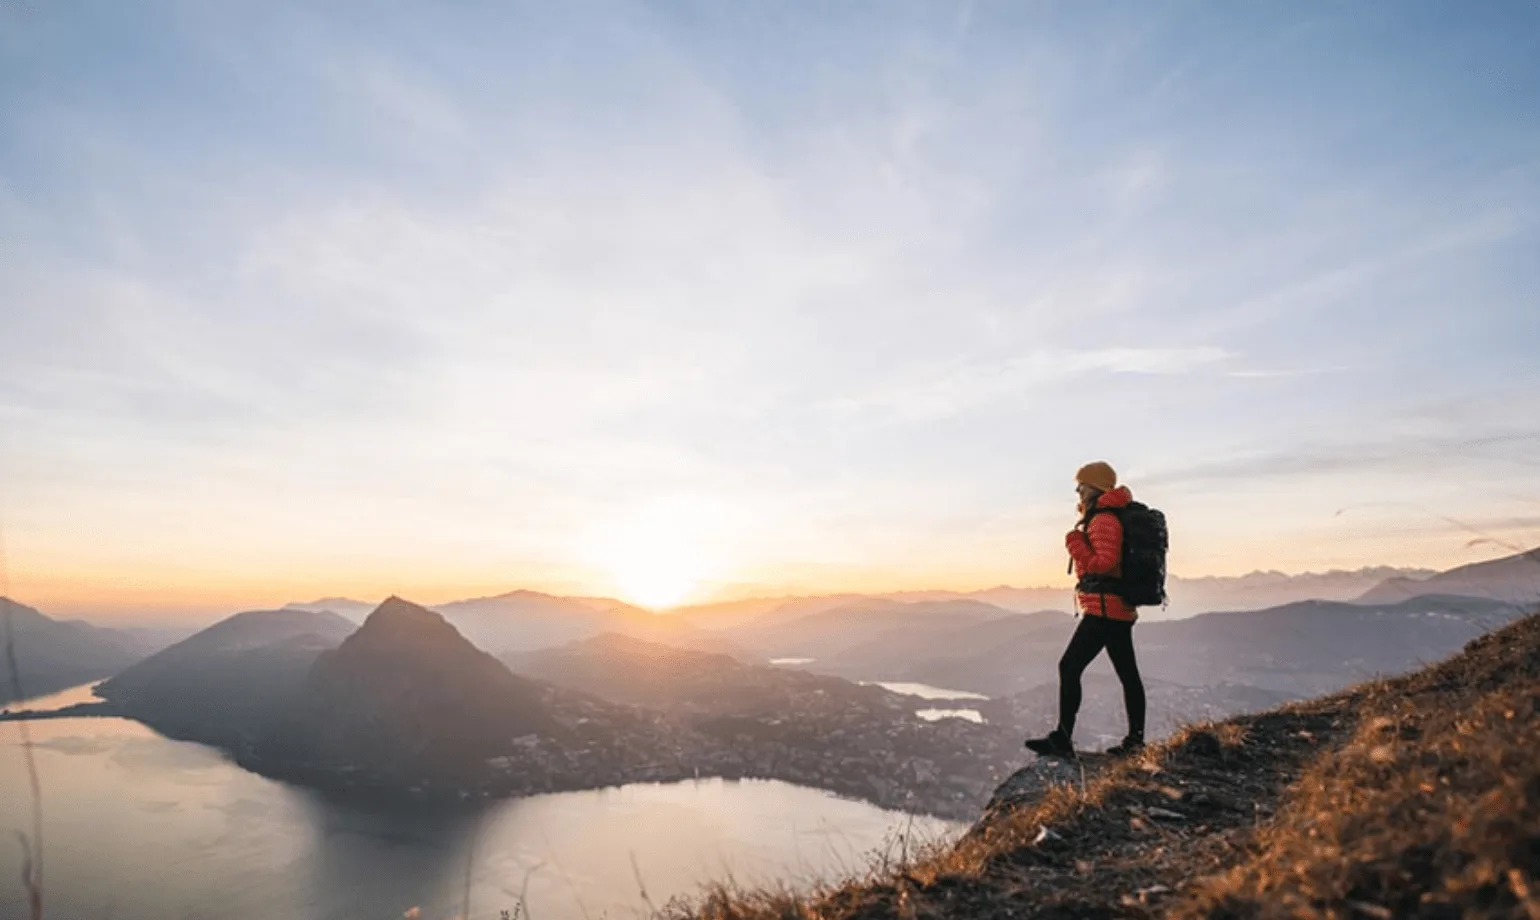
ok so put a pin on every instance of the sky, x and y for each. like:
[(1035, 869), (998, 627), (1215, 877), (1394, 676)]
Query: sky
[(676, 301)]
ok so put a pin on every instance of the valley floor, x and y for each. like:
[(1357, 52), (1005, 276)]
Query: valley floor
[(1412, 797)]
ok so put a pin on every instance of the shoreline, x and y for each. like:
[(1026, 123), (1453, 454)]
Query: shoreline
[(359, 784)]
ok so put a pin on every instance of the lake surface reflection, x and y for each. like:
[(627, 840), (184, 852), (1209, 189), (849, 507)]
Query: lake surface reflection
[(933, 715), (925, 691), (139, 827)]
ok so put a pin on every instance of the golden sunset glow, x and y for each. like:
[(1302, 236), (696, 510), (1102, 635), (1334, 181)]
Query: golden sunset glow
[(657, 577), (656, 559)]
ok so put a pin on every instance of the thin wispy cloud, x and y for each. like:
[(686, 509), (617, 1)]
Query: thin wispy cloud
[(966, 387), (457, 291), (1408, 455)]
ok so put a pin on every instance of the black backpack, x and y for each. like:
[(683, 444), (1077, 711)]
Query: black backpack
[(1145, 541)]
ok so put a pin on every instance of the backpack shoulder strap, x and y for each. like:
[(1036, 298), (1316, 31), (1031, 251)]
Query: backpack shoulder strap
[(1115, 512)]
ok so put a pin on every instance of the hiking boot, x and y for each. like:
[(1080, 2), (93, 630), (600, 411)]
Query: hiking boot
[(1129, 746), (1057, 744)]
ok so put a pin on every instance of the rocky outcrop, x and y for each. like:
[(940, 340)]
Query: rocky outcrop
[(1028, 785)]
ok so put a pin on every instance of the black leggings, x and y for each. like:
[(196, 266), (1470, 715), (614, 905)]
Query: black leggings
[(1092, 635)]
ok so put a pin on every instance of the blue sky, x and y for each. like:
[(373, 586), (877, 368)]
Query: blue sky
[(447, 298)]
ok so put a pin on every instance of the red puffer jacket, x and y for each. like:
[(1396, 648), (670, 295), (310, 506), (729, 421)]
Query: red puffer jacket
[(1098, 550)]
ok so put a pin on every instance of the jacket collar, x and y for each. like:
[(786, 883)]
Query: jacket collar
[(1117, 498)]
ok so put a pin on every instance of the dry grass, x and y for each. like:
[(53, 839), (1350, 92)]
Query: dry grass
[(1412, 797), (1431, 809)]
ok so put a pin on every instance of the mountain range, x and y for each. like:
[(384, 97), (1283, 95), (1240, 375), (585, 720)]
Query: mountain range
[(53, 654), (529, 620), (1514, 579), (404, 705), (589, 691), (229, 683), (827, 633), (525, 620), (1296, 650), (1188, 596)]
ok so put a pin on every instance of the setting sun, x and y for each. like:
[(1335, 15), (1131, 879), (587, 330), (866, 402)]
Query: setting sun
[(657, 574), (656, 580), (656, 559)]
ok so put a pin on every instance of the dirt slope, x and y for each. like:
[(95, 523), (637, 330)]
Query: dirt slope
[(1412, 797)]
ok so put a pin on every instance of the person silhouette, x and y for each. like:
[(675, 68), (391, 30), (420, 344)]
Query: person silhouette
[(1107, 620)]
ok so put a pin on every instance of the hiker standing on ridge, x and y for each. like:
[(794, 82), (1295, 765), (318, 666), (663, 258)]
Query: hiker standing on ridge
[(1118, 553)]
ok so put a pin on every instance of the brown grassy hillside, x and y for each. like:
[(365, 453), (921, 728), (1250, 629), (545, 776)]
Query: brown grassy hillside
[(1412, 797)]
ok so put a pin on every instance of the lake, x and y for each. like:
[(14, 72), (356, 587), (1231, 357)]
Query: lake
[(923, 691), (933, 715), (139, 827)]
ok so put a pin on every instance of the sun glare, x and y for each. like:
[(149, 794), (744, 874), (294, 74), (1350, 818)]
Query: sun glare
[(657, 561), (657, 579)]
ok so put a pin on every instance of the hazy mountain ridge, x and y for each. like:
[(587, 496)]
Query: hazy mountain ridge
[(347, 607), (826, 632), (1297, 650), (523, 620), (227, 684), (520, 620), (1189, 596), (1263, 589), (1253, 590), (54, 654), (1513, 579), (527, 620)]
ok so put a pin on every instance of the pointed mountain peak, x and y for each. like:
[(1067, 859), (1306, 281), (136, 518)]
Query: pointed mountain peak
[(397, 605), (407, 693), (397, 611), (399, 622)]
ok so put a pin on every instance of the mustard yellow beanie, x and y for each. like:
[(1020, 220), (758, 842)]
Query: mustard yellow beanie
[(1098, 475)]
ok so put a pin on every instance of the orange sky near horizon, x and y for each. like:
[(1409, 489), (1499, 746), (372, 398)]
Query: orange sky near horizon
[(200, 591)]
